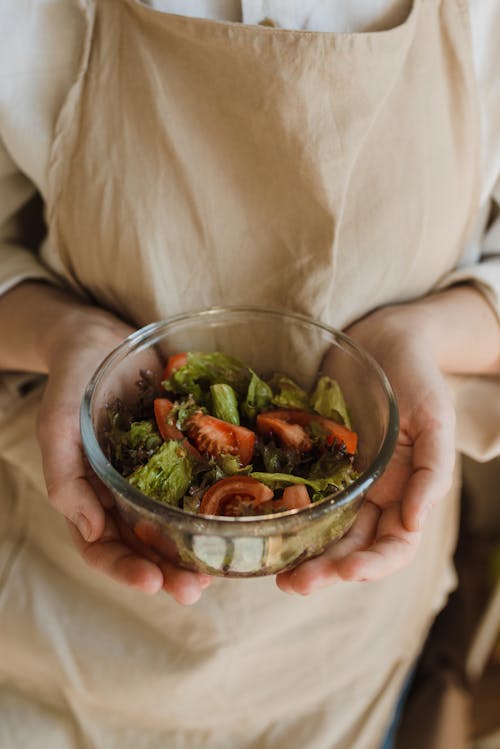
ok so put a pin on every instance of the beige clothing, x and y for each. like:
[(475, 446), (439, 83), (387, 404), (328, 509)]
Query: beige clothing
[(39, 63), (39, 54), (159, 200), (227, 193)]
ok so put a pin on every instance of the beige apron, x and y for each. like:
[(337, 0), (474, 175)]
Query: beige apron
[(199, 163)]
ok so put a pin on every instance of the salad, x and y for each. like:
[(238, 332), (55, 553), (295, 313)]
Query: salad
[(218, 439)]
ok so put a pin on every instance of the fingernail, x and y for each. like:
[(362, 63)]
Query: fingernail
[(83, 526)]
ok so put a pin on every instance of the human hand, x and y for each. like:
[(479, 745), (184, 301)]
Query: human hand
[(388, 529), (75, 347)]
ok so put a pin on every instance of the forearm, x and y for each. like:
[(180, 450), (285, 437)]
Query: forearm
[(463, 330), (43, 329), (458, 325), (35, 320)]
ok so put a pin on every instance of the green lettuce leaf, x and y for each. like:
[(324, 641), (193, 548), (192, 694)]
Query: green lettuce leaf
[(328, 400), (128, 444), (277, 480), (342, 477), (217, 468), (225, 403), (202, 370), (230, 465), (278, 459), (167, 475), (287, 394), (143, 434), (258, 396), (182, 409)]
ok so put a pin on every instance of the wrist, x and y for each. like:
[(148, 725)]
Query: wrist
[(462, 330), (457, 328), (388, 329), (38, 321), (81, 326)]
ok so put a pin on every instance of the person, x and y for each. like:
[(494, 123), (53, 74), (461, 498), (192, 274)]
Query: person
[(338, 159)]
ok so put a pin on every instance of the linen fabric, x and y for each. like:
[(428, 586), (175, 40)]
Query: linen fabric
[(39, 58), (218, 163)]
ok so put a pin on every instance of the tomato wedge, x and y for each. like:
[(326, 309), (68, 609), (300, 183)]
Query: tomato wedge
[(294, 497), (333, 430), (216, 437), (286, 432), (174, 362), (162, 409), (234, 495), (338, 432)]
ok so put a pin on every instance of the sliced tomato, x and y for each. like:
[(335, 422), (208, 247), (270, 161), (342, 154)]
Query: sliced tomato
[(162, 408), (339, 433), (294, 497), (286, 432), (215, 437), (333, 430), (234, 496), (174, 362)]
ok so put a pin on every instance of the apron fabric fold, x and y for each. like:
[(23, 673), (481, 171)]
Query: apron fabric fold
[(201, 163)]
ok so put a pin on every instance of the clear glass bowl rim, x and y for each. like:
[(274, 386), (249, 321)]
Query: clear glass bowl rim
[(283, 522)]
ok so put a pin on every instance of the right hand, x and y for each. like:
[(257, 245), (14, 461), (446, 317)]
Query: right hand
[(75, 347)]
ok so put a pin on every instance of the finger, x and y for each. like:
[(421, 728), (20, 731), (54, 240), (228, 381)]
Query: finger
[(433, 462), (111, 557), (131, 540), (325, 569), (100, 490), (184, 586), (392, 550), (66, 476)]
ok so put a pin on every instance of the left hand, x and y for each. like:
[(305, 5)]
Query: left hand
[(388, 529), (76, 344)]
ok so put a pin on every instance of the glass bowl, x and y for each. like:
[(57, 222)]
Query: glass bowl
[(268, 341)]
